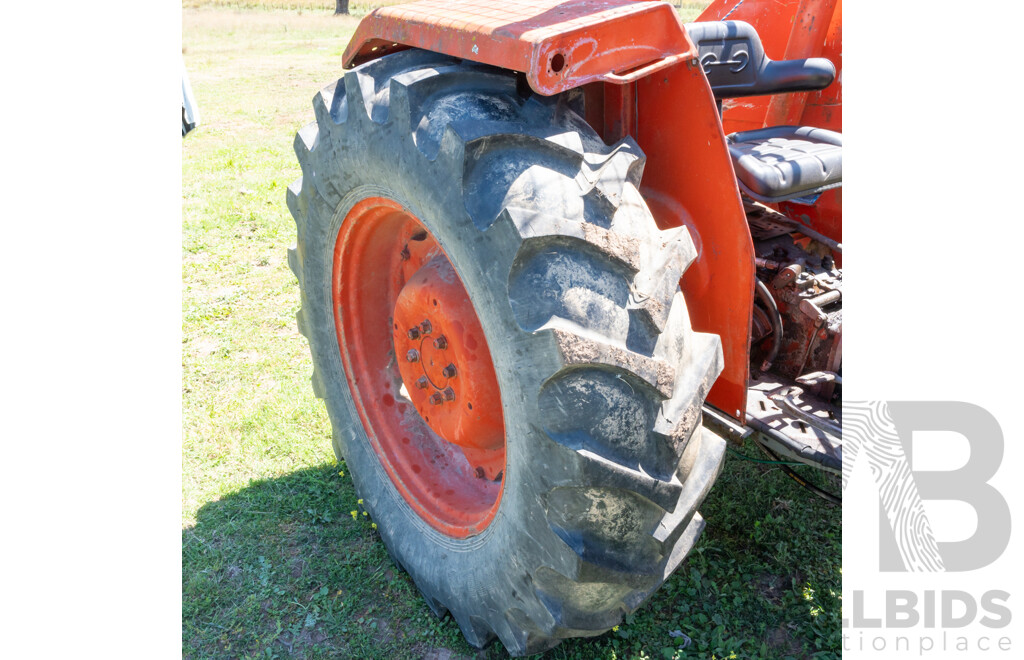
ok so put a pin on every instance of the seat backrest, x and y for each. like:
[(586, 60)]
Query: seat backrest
[(735, 63)]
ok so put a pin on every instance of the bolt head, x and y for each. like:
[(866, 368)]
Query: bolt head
[(436, 399), (422, 383), (449, 394), (414, 333), (413, 356), (441, 342), (449, 371), (425, 327)]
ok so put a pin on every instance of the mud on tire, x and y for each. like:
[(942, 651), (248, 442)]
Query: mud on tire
[(600, 374)]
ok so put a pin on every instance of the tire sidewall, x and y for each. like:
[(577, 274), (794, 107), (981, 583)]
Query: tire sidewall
[(447, 568)]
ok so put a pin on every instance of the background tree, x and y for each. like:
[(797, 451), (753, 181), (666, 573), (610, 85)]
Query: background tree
[(340, 7)]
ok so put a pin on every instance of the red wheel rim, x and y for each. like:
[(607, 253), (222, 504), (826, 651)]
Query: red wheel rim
[(418, 367)]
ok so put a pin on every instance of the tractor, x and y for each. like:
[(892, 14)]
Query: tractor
[(553, 257)]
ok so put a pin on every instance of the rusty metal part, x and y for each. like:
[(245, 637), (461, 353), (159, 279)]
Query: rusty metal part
[(808, 293), (819, 377), (816, 235), (812, 306), (724, 425), (761, 327), (786, 398), (791, 435), (787, 276), (776, 320)]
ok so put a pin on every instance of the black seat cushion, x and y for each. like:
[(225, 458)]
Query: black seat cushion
[(787, 162)]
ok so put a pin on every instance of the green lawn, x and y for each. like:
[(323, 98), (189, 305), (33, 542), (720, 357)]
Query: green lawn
[(277, 558)]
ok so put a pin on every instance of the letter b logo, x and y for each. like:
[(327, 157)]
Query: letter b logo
[(882, 431)]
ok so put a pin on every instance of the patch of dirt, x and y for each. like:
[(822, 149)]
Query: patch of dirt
[(442, 653), (249, 356), (781, 640), (204, 346), (771, 588), (384, 632)]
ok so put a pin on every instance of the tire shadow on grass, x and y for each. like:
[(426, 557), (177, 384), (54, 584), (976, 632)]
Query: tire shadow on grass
[(290, 567)]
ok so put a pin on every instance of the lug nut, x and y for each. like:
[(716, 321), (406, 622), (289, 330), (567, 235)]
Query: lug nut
[(449, 371), (425, 327), (413, 356), (422, 383), (414, 333), (441, 342), (449, 394), (436, 399)]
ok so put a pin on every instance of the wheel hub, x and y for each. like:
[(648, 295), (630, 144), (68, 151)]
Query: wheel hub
[(445, 365), (438, 435)]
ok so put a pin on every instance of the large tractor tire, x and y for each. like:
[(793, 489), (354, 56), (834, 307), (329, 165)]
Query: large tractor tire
[(499, 337)]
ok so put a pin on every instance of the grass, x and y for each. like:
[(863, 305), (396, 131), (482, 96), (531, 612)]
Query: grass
[(688, 9), (274, 564)]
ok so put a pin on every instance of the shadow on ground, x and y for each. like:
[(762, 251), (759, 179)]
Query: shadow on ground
[(291, 568)]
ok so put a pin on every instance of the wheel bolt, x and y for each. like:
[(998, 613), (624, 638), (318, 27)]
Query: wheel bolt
[(422, 383), (413, 356), (414, 333), (449, 371), (436, 399), (449, 394), (425, 327), (441, 342)]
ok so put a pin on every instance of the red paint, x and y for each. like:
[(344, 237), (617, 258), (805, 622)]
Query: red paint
[(637, 69), (380, 282), (689, 180), (435, 295), (559, 45)]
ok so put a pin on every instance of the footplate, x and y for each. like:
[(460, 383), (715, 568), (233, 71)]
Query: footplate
[(795, 423)]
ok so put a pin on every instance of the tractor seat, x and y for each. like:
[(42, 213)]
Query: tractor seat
[(777, 163), (787, 162)]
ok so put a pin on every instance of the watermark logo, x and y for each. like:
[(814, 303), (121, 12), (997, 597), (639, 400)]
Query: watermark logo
[(882, 431), (879, 436)]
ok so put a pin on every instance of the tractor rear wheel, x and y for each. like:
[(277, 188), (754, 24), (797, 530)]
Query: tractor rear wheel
[(498, 334)]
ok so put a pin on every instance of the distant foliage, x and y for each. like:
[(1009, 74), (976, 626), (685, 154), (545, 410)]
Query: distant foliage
[(354, 7)]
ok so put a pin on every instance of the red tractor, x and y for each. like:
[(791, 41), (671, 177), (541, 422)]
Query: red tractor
[(552, 256)]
